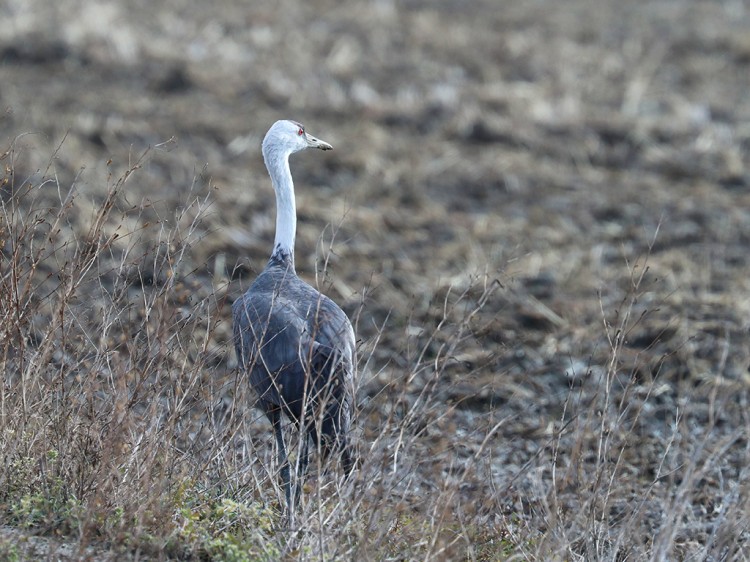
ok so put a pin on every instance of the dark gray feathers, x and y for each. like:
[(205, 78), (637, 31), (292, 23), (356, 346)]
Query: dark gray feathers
[(295, 344)]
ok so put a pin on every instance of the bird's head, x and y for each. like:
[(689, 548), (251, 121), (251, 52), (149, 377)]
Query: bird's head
[(287, 137)]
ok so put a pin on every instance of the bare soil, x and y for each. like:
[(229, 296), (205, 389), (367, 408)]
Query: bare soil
[(568, 180)]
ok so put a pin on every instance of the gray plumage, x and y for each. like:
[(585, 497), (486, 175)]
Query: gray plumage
[(296, 345)]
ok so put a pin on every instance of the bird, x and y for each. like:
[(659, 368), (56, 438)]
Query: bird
[(296, 345)]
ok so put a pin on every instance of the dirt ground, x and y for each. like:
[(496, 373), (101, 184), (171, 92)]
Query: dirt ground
[(576, 171)]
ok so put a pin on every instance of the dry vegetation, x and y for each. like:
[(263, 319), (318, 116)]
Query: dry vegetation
[(537, 213)]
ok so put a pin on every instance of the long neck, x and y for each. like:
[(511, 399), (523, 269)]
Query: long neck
[(277, 163)]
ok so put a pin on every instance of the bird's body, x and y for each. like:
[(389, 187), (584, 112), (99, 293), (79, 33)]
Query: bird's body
[(298, 342), (296, 345)]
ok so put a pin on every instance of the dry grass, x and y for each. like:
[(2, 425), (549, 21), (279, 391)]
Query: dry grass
[(123, 427), (126, 434), (536, 216)]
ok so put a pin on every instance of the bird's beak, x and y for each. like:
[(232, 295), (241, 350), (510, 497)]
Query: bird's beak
[(312, 142)]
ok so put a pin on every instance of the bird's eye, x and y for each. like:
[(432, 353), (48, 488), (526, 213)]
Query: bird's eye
[(300, 131)]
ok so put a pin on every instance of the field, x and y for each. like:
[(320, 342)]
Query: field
[(537, 214)]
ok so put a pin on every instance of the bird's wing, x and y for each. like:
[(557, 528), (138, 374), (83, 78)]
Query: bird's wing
[(330, 329), (332, 363), (267, 340), (280, 344)]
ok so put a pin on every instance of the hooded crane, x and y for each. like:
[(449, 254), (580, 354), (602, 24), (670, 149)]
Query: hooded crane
[(296, 344)]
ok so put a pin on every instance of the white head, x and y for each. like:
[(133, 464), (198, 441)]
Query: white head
[(281, 140), (286, 137)]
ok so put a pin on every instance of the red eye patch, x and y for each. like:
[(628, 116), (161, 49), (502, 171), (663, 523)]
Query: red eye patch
[(301, 131)]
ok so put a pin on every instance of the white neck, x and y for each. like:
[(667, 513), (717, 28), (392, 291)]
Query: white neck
[(277, 163)]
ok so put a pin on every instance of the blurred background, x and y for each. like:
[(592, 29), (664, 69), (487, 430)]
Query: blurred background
[(565, 150), (540, 143)]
